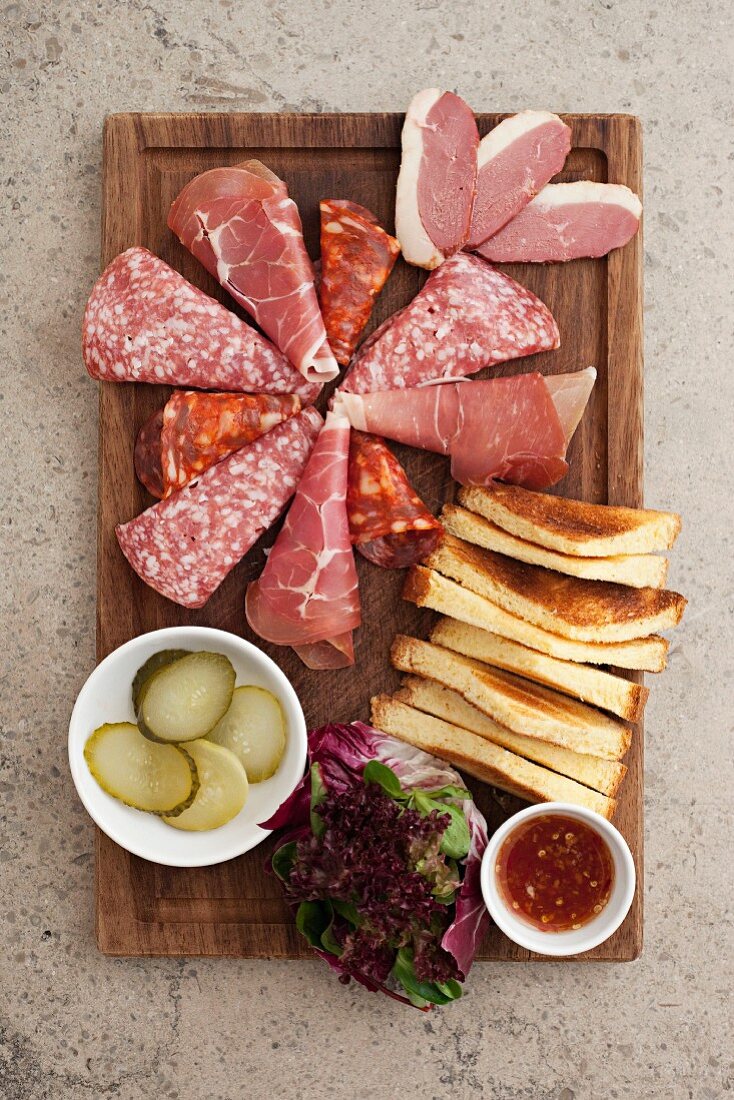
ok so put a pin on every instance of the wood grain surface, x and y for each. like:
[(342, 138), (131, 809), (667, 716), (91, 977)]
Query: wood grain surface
[(235, 908)]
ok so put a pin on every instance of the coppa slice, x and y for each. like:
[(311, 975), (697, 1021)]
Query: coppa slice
[(357, 256), (308, 592), (389, 524), (185, 546), (567, 221), (437, 179), (200, 429), (515, 160), (467, 316), (145, 323), (505, 428), (242, 226)]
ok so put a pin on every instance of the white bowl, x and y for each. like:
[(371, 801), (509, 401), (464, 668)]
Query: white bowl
[(106, 697), (575, 941)]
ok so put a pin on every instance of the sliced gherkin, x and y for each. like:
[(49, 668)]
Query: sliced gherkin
[(222, 789), (161, 779), (184, 700), (254, 730), (158, 660)]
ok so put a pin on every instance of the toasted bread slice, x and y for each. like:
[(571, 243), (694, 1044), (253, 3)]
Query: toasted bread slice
[(482, 758), (604, 776), (427, 588), (637, 570), (520, 705), (573, 526), (587, 611), (590, 685)]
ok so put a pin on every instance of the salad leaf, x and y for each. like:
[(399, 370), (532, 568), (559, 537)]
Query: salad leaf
[(375, 772), (421, 992), (283, 860), (383, 872)]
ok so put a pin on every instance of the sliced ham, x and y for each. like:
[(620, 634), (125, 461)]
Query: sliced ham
[(185, 546), (145, 323), (467, 316), (568, 221), (515, 160), (307, 596), (246, 231), (437, 179), (504, 428)]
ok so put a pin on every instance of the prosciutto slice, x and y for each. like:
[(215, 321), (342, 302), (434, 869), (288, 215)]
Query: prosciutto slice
[(515, 160), (467, 316), (568, 221), (437, 180), (245, 229), (511, 429), (307, 596)]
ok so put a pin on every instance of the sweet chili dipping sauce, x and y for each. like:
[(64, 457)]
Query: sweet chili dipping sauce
[(555, 872)]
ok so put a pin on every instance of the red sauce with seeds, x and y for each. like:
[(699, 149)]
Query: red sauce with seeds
[(555, 872)]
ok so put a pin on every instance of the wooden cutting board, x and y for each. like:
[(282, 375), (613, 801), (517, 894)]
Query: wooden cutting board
[(235, 909)]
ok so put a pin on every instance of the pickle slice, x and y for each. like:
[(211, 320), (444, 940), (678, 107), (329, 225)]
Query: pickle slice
[(254, 730), (158, 660), (222, 789), (161, 779), (184, 700)]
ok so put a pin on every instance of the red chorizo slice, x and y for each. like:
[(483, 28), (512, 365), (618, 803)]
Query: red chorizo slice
[(147, 455), (200, 429), (389, 524), (357, 256)]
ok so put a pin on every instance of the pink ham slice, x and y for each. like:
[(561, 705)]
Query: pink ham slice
[(437, 179), (246, 231), (568, 221), (145, 323), (515, 160), (467, 316), (307, 596), (185, 546), (513, 429)]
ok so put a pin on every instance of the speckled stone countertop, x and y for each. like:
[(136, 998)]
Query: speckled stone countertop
[(75, 1024)]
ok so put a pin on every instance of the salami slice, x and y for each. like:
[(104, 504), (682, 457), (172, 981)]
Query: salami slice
[(388, 522), (357, 256), (145, 323), (147, 455), (467, 316), (185, 546), (200, 429)]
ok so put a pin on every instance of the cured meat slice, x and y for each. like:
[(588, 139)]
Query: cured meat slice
[(467, 316), (200, 429), (568, 221), (504, 428), (147, 455), (185, 546), (437, 180), (308, 589), (357, 256), (245, 229), (514, 161), (388, 522), (336, 652), (145, 323)]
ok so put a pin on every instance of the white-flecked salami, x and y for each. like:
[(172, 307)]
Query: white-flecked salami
[(185, 546), (145, 323), (467, 316)]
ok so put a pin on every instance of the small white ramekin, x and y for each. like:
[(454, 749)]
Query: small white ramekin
[(575, 941)]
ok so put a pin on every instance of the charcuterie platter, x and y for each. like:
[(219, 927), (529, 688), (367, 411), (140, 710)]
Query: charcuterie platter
[(235, 908)]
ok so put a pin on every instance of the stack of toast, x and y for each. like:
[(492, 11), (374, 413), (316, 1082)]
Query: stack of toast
[(537, 593)]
